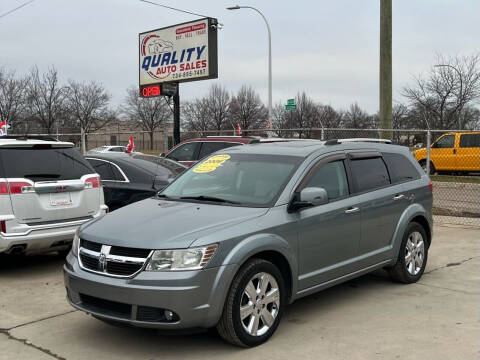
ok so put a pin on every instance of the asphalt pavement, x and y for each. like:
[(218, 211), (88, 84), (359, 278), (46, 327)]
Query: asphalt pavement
[(367, 318)]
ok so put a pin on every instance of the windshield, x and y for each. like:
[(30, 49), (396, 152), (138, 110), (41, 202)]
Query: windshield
[(243, 179)]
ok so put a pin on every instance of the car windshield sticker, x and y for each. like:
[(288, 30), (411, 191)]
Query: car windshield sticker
[(211, 163)]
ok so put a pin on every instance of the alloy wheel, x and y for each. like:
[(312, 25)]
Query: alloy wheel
[(414, 253), (260, 304)]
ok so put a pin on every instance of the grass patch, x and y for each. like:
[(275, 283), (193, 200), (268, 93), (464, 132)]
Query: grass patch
[(448, 212), (456, 179)]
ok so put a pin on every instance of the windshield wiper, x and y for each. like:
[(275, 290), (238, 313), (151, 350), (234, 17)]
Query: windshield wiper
[(208, 198)]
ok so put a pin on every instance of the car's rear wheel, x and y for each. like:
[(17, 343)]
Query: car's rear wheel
[(423, 164), (254, 304), (413, 255)]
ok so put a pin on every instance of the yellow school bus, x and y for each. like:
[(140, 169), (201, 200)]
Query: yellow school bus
[(453, 152)]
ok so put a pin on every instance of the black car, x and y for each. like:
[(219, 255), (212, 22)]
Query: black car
[(128, 178)]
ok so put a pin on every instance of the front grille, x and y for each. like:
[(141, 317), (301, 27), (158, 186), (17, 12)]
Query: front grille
[(122, 268), (91, 245), (116, 261), (106, 307), (130, 252), (89, 262)]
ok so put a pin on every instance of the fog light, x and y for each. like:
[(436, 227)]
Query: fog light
[(168, 315)]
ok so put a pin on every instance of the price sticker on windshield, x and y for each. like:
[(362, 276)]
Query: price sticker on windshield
[(211, 164)]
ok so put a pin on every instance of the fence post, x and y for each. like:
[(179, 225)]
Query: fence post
[(428, 153)]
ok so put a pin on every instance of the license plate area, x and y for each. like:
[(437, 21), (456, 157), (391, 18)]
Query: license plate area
[(60, 199)]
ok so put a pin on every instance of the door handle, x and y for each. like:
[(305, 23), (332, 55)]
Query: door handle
[(398, 197), (352, 210)]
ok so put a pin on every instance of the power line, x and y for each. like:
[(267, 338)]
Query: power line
[(172, 8), (17, 8)]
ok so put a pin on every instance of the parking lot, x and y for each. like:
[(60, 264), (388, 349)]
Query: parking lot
[(367, 318)]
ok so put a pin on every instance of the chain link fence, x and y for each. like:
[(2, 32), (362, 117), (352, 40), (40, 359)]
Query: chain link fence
[(451, 157)]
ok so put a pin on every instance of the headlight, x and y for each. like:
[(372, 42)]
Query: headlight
[(184, 259), (75, 244)]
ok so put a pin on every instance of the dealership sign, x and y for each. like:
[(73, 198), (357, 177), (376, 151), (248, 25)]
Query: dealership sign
[(180, 53)]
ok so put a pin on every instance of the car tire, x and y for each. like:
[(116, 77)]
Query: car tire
[(231, 326), (423, 164), (412, 257)]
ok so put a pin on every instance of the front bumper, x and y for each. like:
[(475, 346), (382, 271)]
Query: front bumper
[(43, 238), (197, 297)]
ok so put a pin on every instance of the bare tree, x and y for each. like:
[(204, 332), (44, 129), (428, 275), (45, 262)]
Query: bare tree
[(45, 98), (357, 118), (12, 97), (196, 115), (305, 116), (247, 110), (150, 114), (446, 91), (87, 104), (218, 105)]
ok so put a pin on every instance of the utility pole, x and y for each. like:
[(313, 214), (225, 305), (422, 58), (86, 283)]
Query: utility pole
[(385, 77), (176, 116)]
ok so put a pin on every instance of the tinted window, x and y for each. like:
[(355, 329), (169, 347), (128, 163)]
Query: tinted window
[(157, 165), (117, 149), (446, 141), (470, 140), (369, 174), (117, 174), (44, 164), (212, 146), (332, 178), (185, 152), (103, 168), (400, 168)]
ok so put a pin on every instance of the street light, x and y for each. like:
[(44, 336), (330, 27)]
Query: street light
[(236, 7), (461, 83)]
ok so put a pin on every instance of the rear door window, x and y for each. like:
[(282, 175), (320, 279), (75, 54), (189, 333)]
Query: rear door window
[(469, 140), (43, 164), (209, 147), (400, 168), (369, 174), (103, 168), (185, 152)]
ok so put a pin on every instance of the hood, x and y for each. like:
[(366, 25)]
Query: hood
[(161, 224)]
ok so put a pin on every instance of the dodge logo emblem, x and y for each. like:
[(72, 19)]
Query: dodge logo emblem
[(102, 262)]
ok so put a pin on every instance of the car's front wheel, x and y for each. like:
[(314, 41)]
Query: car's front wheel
[(413, 255), (254, 304)]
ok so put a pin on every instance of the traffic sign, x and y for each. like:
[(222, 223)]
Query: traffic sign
[(290, 107), (291, 102)]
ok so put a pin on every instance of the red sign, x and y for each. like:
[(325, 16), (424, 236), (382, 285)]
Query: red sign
[(151, 90)]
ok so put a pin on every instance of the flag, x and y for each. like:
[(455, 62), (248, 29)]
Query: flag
[(3, 128), (239, 130), (131, 146)]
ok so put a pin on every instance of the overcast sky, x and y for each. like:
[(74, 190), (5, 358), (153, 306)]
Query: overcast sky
[(327, 48)]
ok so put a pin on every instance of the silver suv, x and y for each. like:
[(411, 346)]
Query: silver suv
[(46, 191), (251, 229)]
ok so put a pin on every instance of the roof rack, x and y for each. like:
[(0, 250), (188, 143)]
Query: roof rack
[(233, 136), (30, 137), (370, 140)]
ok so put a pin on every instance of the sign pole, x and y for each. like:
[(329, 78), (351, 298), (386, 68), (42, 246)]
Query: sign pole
[(176, 116)]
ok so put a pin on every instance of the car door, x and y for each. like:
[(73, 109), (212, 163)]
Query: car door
[(468, 153), (443, 153), (115, 183), (329, 234), (381, 205)]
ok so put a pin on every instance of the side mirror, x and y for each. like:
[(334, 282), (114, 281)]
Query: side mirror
[(162, 155), (310, 196)]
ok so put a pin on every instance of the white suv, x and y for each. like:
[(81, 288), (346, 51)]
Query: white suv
[(47, 189)]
